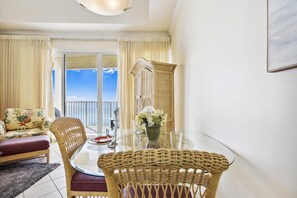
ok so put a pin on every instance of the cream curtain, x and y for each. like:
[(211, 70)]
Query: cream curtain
[(25, 73), (129, 53)]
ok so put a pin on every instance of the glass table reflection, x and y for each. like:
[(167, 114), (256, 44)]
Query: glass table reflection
[(85, 157)]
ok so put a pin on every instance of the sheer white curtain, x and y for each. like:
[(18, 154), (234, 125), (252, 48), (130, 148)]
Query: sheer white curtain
[(129, 53), (25, 73)]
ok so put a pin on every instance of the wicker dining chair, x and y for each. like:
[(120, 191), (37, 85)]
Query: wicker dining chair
[(158, 173), (70, 134)]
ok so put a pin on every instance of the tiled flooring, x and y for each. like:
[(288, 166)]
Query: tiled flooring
[(52, 185)]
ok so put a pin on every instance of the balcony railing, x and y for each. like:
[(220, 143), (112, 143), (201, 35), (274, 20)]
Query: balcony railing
[(87, 112)]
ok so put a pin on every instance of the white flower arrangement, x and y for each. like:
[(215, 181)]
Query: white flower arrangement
[(150, 117)]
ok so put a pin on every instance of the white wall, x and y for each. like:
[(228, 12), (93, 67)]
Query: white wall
[(69, 45), (223, 90)]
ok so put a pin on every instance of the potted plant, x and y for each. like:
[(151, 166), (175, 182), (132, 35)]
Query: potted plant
[(151, 120)]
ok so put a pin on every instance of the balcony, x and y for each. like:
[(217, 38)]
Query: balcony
[(87, 112)]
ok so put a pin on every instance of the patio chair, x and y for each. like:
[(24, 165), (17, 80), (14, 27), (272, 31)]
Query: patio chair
[(115, 123), (70, 134), (162, 173)]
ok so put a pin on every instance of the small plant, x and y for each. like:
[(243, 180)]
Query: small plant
[(150, 117)]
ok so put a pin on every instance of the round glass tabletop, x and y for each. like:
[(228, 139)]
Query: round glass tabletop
[(86, 157)]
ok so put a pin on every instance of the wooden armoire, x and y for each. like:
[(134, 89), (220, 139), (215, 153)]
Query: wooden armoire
[(154, 85)]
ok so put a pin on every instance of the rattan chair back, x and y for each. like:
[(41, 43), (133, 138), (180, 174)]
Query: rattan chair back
[(70, 134), (162, 173)]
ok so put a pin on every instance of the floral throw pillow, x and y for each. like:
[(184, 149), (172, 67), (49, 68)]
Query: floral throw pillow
[(18, 118), (2, 131), (2, 128)]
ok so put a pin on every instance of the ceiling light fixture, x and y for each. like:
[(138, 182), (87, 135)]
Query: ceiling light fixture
[(106, 7)]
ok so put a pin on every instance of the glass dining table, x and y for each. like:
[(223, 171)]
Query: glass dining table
[(86, 156)]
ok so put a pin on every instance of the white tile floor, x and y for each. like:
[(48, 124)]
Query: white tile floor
[(52, 185)]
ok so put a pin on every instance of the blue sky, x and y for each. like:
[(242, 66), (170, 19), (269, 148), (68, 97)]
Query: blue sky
[(82, 85)]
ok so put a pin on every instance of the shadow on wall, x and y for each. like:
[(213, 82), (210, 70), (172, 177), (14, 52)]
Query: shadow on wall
[(246, 173), (179, 87)]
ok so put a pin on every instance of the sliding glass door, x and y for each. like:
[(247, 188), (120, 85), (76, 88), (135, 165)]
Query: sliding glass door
[(90, 89)]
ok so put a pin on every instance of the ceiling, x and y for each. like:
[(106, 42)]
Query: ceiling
[(69, 16)]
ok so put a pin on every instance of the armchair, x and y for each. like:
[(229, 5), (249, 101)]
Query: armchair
[(24, 134)]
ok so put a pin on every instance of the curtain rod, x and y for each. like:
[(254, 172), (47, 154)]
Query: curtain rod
[(111, 36)]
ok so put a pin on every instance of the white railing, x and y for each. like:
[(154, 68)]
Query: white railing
[(86, 111)]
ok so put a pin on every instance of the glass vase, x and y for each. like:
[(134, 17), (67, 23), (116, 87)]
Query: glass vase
[(153, 133)]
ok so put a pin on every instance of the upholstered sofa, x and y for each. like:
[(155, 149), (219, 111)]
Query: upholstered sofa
[(24, 133)]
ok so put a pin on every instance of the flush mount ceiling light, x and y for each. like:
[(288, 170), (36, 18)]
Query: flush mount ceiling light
[(106, 7)]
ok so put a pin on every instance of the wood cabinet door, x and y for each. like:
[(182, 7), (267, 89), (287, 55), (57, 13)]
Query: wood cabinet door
[(143, 90)]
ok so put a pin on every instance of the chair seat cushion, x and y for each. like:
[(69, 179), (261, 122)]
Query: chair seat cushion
[(24, 145), (83, 182)]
